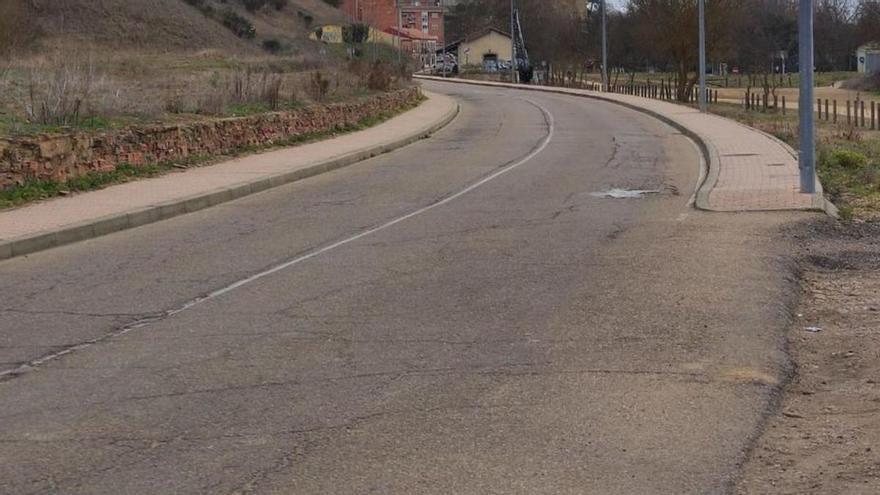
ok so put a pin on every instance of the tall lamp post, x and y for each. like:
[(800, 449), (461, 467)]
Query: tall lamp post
[(807, 155), (702, 9), (443, 33), (512, 44), (399, 34), (604, 47)]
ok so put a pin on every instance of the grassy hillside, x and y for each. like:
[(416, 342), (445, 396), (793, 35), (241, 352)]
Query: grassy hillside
[(170, 25), (110, 63)]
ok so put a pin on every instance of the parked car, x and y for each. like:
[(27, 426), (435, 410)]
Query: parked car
[(450, 68)]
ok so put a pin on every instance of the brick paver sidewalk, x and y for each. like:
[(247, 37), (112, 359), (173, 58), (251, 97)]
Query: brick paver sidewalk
[(748, 170), (67, 219)]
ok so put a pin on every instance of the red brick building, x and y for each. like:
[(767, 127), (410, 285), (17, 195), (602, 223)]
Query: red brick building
[(422, 15)]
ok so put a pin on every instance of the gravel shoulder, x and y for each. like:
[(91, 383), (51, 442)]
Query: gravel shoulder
[(825, 437)]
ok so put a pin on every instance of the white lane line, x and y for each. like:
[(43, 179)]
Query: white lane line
[(31, 365)]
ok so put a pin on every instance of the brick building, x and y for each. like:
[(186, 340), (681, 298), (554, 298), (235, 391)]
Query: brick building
[(422, 15)]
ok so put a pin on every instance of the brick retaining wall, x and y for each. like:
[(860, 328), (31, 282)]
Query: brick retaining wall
[(59, 157)]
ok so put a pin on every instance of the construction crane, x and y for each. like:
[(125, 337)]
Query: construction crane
[(521, 55)]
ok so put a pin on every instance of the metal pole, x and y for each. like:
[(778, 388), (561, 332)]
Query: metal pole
[(512, 45), (807, 156), (702, 55), (604, 49), (399, 35), (443, 34)]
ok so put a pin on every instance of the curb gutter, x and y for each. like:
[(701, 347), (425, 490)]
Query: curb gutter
[(163, 211), (710, 154)]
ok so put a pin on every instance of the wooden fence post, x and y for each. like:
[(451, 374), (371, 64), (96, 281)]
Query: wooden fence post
[(783, 104), (862, 111), (819, 104), (873, 115), (834, 117), (848, 113), (826, 109)]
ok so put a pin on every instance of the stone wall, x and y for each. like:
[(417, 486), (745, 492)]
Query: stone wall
[(59, 157)]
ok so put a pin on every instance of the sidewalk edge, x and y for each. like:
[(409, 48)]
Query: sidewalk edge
[(130, 219), (710, 154)]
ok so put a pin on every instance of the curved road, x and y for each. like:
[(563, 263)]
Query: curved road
[(461, 316)]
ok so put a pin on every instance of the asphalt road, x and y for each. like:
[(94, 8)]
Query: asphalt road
[(460, 316)]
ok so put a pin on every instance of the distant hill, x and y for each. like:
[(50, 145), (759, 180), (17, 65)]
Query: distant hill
[(171, 25)]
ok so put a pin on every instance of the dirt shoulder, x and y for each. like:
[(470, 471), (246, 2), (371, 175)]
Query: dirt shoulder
[(825, 437)]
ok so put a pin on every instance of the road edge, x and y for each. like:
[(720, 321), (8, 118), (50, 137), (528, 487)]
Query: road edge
[(163, 211), (711, 159)]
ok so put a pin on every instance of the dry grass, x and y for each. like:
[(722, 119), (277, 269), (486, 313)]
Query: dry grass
[(111, 63), (91, 89), (60, 91)]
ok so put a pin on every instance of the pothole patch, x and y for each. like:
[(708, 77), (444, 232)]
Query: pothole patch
[(617, 193)]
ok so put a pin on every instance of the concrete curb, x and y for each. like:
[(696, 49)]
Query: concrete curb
[(710, 154), (163, 211)]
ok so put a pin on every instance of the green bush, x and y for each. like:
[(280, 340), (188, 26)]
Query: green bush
[(204, 7), (356, 33), (238, 25), (272, 45), (848, 159)]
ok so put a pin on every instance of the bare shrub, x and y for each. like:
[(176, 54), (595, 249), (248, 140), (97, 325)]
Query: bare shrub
[(319, 86), (871, 176), (863, 83), (60, 90), (212, 103), (14, 32), (380, 77), (244, 87), (271, 91), (175, 104)]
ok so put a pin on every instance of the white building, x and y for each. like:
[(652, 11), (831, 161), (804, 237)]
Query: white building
[(868, 58)]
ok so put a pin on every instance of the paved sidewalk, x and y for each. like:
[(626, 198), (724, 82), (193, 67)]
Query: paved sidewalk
[(69, 219), (747, 169)]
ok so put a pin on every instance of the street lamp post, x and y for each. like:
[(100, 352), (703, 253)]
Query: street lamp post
[(604, 47), (399, 34), (512, 44), (443, 34), (807, 155), (702, 9)]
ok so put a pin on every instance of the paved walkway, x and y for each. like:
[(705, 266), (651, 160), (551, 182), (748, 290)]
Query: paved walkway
[(748, 170), (81, 216)]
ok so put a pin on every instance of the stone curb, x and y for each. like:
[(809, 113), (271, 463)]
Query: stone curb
[(163, 211), (710, 154)]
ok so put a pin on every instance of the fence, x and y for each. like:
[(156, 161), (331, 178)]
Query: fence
[(663, 90), (858, 113)]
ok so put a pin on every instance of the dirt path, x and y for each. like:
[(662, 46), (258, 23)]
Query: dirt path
[(825, 438)]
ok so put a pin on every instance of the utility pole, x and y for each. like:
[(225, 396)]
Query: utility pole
[(399, 35), (604, 48), (443, 33), (807, 155), (512, 44), (702, 9)]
